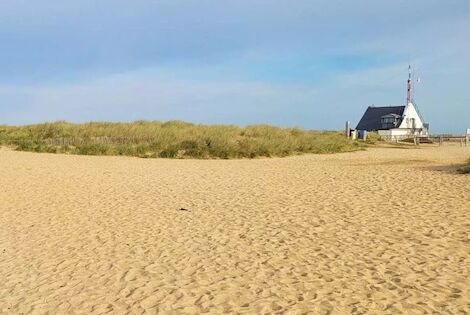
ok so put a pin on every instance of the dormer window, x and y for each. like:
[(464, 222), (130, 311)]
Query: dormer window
[(390, 121)]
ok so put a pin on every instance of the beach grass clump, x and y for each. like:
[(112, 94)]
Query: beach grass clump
[(373, 138), (173, 139), (464, 169)]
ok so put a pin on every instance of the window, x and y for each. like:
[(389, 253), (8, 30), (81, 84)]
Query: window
[(389, 121)]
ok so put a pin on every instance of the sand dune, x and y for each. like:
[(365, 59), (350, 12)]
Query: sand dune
[(384, 231)]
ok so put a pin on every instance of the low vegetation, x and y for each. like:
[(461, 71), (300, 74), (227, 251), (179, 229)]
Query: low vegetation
[(173, 139), (464, 169), (372, 138)]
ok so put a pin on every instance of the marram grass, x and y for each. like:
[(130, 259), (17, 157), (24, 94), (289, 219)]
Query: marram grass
[(173, 139), (464, 169)]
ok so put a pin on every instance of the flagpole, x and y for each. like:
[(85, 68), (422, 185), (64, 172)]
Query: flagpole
[(408, 94)]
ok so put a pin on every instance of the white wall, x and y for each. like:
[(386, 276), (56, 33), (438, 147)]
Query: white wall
[(400, 132), (409, 113), (396, 134)]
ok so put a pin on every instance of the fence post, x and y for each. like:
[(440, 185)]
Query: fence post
[(354, 135)]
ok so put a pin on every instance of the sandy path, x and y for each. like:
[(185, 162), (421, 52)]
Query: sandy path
[(376, 232)]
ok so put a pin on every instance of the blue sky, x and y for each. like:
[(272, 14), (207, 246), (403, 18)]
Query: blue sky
[(311, 64)]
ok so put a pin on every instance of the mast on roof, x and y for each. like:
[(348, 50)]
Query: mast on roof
[(408, 95)]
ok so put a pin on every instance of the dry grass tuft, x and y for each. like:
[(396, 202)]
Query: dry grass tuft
[(464, 169)]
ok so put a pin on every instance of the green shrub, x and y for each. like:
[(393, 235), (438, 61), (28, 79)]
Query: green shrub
[(93, 149), (372, 137), (168, 153)]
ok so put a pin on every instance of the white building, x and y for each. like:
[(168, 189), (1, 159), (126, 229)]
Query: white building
[(395, 122)]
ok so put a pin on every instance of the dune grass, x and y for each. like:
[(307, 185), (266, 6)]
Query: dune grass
[(173, 139), (464, 169)]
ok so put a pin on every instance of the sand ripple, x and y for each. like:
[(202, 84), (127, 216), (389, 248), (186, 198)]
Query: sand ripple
[(377, 232)]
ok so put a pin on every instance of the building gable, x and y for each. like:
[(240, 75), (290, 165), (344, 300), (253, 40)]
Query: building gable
[(411, 118)]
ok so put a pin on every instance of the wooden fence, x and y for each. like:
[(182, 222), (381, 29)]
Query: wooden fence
[(464, 140), (77, 141)]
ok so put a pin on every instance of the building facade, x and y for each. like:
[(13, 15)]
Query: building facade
[(395, 122)]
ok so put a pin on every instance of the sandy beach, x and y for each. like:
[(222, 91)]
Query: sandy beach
[(382, 231)]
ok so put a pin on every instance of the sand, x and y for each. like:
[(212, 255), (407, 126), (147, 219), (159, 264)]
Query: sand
[(383, 231)]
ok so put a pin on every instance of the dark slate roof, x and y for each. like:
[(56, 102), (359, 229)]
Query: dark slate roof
[(371, 119)]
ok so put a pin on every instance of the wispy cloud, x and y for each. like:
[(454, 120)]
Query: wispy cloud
[(137, 96), (308, 63)]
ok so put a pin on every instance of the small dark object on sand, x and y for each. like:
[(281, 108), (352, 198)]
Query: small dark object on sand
[(183, 209)]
